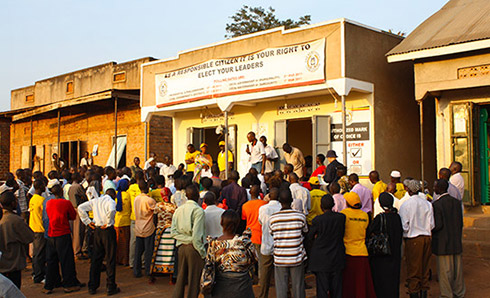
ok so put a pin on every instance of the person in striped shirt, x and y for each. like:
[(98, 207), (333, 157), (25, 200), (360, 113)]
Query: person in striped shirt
[(287, 228)]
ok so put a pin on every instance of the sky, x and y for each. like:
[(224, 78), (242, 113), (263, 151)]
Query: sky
[(42, 39)]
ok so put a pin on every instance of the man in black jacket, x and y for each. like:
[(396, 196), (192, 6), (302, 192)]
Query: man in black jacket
[(447, 243), (327, 257), (331, 170)]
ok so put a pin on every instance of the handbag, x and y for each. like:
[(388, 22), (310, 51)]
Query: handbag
[(378, 244), (208, 277)]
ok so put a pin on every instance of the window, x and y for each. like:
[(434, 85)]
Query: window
[(119, 77), (69, 87), (30, 98)]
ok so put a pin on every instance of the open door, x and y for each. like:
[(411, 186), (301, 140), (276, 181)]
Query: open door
[(195, 136), (321, 135), (280, 137), (26, 157)]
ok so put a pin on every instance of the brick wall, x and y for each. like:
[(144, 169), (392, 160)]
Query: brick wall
[(4, 147), (160, 136)]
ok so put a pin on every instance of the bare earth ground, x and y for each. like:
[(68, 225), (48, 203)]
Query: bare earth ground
[(476, 272)]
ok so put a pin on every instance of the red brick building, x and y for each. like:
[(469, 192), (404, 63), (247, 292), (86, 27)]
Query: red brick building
[(82, 111)]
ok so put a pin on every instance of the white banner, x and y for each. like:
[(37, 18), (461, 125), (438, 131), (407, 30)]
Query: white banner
[(273, 68)]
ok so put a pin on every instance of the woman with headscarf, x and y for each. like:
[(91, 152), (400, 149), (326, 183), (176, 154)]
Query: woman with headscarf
[(203, 164), (386, 269), (357, 281)]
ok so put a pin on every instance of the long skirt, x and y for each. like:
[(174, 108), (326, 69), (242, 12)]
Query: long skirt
[(163, 254), (233, 284), (357, 281), (122, 239)]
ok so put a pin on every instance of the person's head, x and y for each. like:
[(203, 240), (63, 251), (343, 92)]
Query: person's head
[(37, 175), (85, 154), (167, 160), (353, 179), (110, 172), (395, 176), (293, 178), (373, 177), (209, 198), (180, 167), (327, 203), (444, 173), (278, 173), (288, 169), (73, 169), (386, 202), (126, 171), (253, 172), (20, 174), (308, 161), (274, 194), (285, 198), (53, 175), (137, 161), (192, 192), (191, 148), (160, 181), (275, 182), (246, 182), (287, 148), (8, 201), (255, 191), (143, 186), (153, 155), (320, 159), (54, 156), (341, 171), (455, 167), (39, 186), (413, 186), (76, 177), (331, 156), (65, 174), (139, 175), (391, 188), (204, 148), (263, 140), (229, 222), (441, 186), (221, 146), (334, 188), (206, 183), (111, 193), (234, 176), (352, 199), (215, 170), (251, 137), (152, 162), (57, 191)]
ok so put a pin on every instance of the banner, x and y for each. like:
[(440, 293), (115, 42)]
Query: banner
[(273, 68)]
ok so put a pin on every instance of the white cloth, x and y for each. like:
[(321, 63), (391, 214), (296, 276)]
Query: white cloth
[(178, 198), (256, 152), (340, 203), (452, 191), (396, 204), (303, 195), (91, 193), (417, 217), (458, 181), (8, 289), (167, 172), (271, 153), (147, 164), (265, 212), (212, 221), (86, 162), (103, 208), (263, 186)]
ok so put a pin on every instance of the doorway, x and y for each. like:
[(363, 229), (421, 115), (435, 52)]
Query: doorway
[(299, 135), (198, 135)]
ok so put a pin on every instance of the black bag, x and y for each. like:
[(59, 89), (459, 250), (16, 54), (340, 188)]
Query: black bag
[(378, 243)]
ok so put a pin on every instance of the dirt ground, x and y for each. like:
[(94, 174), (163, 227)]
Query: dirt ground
[(476, 273)]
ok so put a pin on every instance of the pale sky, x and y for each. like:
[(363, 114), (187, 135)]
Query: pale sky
[(42, 39)]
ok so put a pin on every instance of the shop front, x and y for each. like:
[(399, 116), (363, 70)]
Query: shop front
[(312, 87)]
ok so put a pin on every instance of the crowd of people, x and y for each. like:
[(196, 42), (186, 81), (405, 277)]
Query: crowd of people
[(219, 235)]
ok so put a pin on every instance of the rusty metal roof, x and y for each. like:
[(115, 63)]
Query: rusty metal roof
[(458, 21)]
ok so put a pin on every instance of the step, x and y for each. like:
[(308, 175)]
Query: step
[(477, 249), (476, 234), (477, 221)]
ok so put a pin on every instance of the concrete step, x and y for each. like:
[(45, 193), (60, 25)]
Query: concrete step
[(476, 234), (476, 220), (479, 249)]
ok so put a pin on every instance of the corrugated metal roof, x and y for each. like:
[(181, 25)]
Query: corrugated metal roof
[(459, 21)]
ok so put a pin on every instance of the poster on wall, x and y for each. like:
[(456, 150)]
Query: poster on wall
[(273, 68), (358, 135)]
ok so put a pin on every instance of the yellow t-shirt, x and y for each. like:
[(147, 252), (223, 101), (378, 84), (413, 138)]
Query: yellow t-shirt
[(36, 216), (378, 188), (316, 201), (191, 166), (222, 162), (356, 223), (400, 191), (133, 191), (123, 217), (156, 195)]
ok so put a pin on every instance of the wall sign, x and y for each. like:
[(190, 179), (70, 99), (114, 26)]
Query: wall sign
[(273, 68)]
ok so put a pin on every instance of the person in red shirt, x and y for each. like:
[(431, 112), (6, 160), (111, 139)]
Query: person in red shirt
[(250, 213), (320, 159), (59, 249)]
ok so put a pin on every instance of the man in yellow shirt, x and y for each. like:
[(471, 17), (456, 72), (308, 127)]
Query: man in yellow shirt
[(400, 188), (190, 157), (222, 160), (379, 186), (36, 225), (133, 192), (316, 201)]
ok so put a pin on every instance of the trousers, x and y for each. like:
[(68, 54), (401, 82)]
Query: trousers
[(417, 253), (329, 284), (143, 245), (266, 271), (450, 272), (190, 268), (297, 274), (59, 252), (132, 244), (39, 257), (104, 248)]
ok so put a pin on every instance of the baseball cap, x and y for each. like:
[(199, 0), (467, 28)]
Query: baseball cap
[(203, 145), (221, 143), (352, 198), (395, 174)]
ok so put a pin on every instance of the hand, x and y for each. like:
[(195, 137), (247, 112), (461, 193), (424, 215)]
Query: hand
[(103, 227), (91, 225)]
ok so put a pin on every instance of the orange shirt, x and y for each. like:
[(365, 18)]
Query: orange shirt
[(250, 213)]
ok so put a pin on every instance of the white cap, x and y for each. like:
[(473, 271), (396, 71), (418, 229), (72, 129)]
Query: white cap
[(52, 182), (396, 174)]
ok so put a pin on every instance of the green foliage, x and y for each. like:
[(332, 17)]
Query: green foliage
[(253, 19)]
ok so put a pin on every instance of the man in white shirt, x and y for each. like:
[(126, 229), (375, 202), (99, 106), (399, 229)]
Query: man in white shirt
[(456, 178), (418, 221), (147, 163), (267, 246), (86, 160), (167, 170), (212, 216), (104, 211), (301, 195), (270, 155), (257, 153)]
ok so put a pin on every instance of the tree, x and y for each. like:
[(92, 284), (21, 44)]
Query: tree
[(253, 19)]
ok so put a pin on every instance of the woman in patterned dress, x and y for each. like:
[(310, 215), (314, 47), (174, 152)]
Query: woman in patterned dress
[(163, 254), (234, 257)]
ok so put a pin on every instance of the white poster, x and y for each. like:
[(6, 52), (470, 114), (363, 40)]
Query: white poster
[(358, 135), (272, 68)]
